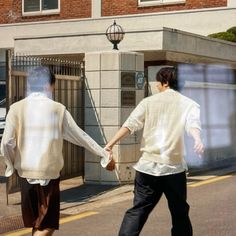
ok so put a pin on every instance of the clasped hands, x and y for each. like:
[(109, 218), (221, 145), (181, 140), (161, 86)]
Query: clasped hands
[(111, 165)]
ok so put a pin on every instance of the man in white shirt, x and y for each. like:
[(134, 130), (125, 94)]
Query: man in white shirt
[(32, 145), (161, 169)]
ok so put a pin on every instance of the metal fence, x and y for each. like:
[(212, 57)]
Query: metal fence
[(69, 91)]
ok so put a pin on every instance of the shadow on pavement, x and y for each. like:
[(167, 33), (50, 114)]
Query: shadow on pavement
[(85, 192)]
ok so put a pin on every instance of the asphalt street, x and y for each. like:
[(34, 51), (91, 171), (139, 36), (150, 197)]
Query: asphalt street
[(211, 197), (213, 213)]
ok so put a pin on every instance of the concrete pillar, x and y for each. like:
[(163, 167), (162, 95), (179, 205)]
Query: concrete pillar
[(231, 3), (96, 8), (113, 89)]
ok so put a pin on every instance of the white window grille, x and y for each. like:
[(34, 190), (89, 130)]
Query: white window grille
[(40, 7)]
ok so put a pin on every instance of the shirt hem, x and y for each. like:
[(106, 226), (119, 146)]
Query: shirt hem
[(33, 175), (159, 159), (163, 174)]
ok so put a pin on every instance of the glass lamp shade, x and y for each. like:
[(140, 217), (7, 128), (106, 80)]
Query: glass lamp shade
[(115, 34)]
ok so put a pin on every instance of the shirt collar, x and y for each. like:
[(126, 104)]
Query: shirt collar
[(37, 95), (168, 90)]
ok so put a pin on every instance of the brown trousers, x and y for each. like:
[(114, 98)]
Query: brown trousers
[(40, 205)]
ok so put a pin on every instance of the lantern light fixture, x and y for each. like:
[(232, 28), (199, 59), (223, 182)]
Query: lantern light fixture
[(115, 34)]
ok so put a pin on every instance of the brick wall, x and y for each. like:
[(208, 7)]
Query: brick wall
[(125, 7), (11, 11)]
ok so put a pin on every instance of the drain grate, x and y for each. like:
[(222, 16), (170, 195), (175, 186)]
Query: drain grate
[(10, 223)]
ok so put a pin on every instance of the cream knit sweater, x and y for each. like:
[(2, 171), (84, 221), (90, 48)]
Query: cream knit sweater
[(164, 118), (33, 138), (31, 119)]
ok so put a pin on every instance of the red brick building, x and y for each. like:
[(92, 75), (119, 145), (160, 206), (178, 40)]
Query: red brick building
[(30, 18), (126, 7), (16, 11)]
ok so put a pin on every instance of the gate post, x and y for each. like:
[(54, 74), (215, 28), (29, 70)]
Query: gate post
[(114, 86), (9, 99)]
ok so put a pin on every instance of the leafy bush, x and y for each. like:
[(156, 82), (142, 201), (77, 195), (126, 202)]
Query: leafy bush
[(224, 35), (232, 30)]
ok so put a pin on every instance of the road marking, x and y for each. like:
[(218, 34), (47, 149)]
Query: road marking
[(20, 232), (77, 217), (62, 221), (209, 181)]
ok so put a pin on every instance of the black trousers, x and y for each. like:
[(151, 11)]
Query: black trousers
[(147, 193)]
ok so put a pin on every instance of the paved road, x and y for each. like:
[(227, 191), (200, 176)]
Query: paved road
[(213, 212)]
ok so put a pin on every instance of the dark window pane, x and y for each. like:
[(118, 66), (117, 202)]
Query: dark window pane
[(31, 5), (3, 71), (2, 93), (49, 4), (3, 78)]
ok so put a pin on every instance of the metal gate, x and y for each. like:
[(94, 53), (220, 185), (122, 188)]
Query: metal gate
[(69, 91)]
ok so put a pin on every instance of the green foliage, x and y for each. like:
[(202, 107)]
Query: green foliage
[(232, 30), (224, 35)]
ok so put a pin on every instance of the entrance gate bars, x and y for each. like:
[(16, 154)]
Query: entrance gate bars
[(69, 91)]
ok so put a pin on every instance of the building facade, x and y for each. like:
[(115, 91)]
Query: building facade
[(165, 32), (27, 11), (88, 18)]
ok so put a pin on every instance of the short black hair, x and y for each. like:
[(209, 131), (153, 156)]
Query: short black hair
[(168, 75), (39, 77)]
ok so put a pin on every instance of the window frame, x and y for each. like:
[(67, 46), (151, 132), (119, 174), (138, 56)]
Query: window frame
[(159, 2), (41, 12)]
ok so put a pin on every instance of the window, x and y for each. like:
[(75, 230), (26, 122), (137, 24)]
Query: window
[(39, 7), (158, 2)]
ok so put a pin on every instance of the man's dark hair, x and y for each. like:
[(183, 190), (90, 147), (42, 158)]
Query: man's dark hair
[(168, 75), (39, 77)]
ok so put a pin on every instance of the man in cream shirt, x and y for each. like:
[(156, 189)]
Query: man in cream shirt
[(32, 145), (164, 118)]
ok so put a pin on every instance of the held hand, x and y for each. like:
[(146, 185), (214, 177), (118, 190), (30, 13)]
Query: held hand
[(109, 150), (123, 131), (198, 147), (111, 165)]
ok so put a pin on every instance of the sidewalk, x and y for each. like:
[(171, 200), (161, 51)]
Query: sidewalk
[(77, 197)]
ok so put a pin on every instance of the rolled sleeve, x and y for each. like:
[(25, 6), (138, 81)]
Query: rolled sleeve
[(136, 119)]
